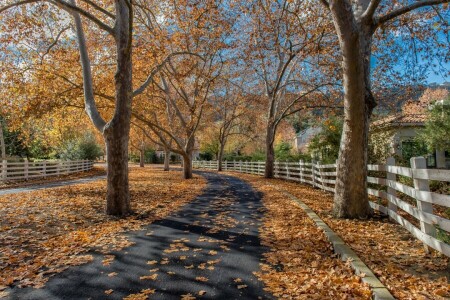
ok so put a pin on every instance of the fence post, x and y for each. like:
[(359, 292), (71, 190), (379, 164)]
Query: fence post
[(391, 192), (26, 169), (44, 168), (240, 166), (313, 173), (319, 176), (4, 169), (423, 185), (287, 170), (300, 170)]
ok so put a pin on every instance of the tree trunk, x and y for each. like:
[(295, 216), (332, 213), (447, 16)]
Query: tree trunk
[(351, 199), (187, 166), (117, 196), (117, 131), (2, 142), (141, 158), (270, 152), (166, 159), (220, 156)]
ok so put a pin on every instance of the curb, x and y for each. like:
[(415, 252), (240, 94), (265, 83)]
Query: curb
[(380, 292)]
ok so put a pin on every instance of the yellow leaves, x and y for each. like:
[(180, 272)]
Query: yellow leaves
[(188, 296), (108, 260), (68, 221), (201, 293), (212, 252), (299, 252), (189, 267), (201, 278), (152, 262), (109, 292), (149, 277), (112, 274), (143, 295)]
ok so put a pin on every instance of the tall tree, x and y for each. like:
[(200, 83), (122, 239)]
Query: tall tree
[(355, 23), (118, 26), (288, 46)]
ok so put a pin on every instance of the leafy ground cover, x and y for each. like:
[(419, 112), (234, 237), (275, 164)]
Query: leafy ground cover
[(395, 256), (301, 263), (95, 171), (46, 231)]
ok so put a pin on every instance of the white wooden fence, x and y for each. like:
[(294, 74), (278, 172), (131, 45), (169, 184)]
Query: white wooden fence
[(415, 201), (12, 170)]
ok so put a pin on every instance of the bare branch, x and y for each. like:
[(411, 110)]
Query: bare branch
[(158, 68), (54, 43), (100, 9), (370, 11), (406, 9), (73, 8)]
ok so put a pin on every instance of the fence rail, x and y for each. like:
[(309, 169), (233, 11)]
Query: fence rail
[(12, 170), (405, 192)]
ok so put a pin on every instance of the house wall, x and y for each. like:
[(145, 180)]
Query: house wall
[(402, 134)]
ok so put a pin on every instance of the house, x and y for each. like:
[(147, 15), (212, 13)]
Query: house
[(303, 138), (396, 134)]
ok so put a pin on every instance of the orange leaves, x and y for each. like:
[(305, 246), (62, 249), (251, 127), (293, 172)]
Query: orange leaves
[(149, 277), (143, 295), (396, 258), (300, 263), (201, 278), (109, 292), (44, 232)]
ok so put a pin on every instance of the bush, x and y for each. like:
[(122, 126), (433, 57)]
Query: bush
[(82, 148), (325, 145)]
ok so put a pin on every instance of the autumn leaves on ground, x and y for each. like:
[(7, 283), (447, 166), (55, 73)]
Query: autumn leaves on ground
[(44, 232)]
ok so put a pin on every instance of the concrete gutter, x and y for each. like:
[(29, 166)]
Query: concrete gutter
[(380, 292)]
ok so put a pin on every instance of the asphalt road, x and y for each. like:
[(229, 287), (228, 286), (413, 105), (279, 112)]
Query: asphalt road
[(35, 187), (209, 249)]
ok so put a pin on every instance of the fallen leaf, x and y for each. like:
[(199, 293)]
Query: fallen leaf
[(109, 292), (187, 297), (151, 277), (201, 278)]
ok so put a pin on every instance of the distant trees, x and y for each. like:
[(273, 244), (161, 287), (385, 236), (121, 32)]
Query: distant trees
[(325, 145), (437, 127), (288, 48)]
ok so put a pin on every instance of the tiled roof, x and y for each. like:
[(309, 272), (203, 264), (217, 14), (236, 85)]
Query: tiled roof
[(401, 119)]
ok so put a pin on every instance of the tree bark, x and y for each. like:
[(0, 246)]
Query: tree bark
[(166, 159), (141, 158), (2, 142), (270, 152), (351, 199), (117, 131), (220, 156), (187, 165), (117, 196)]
